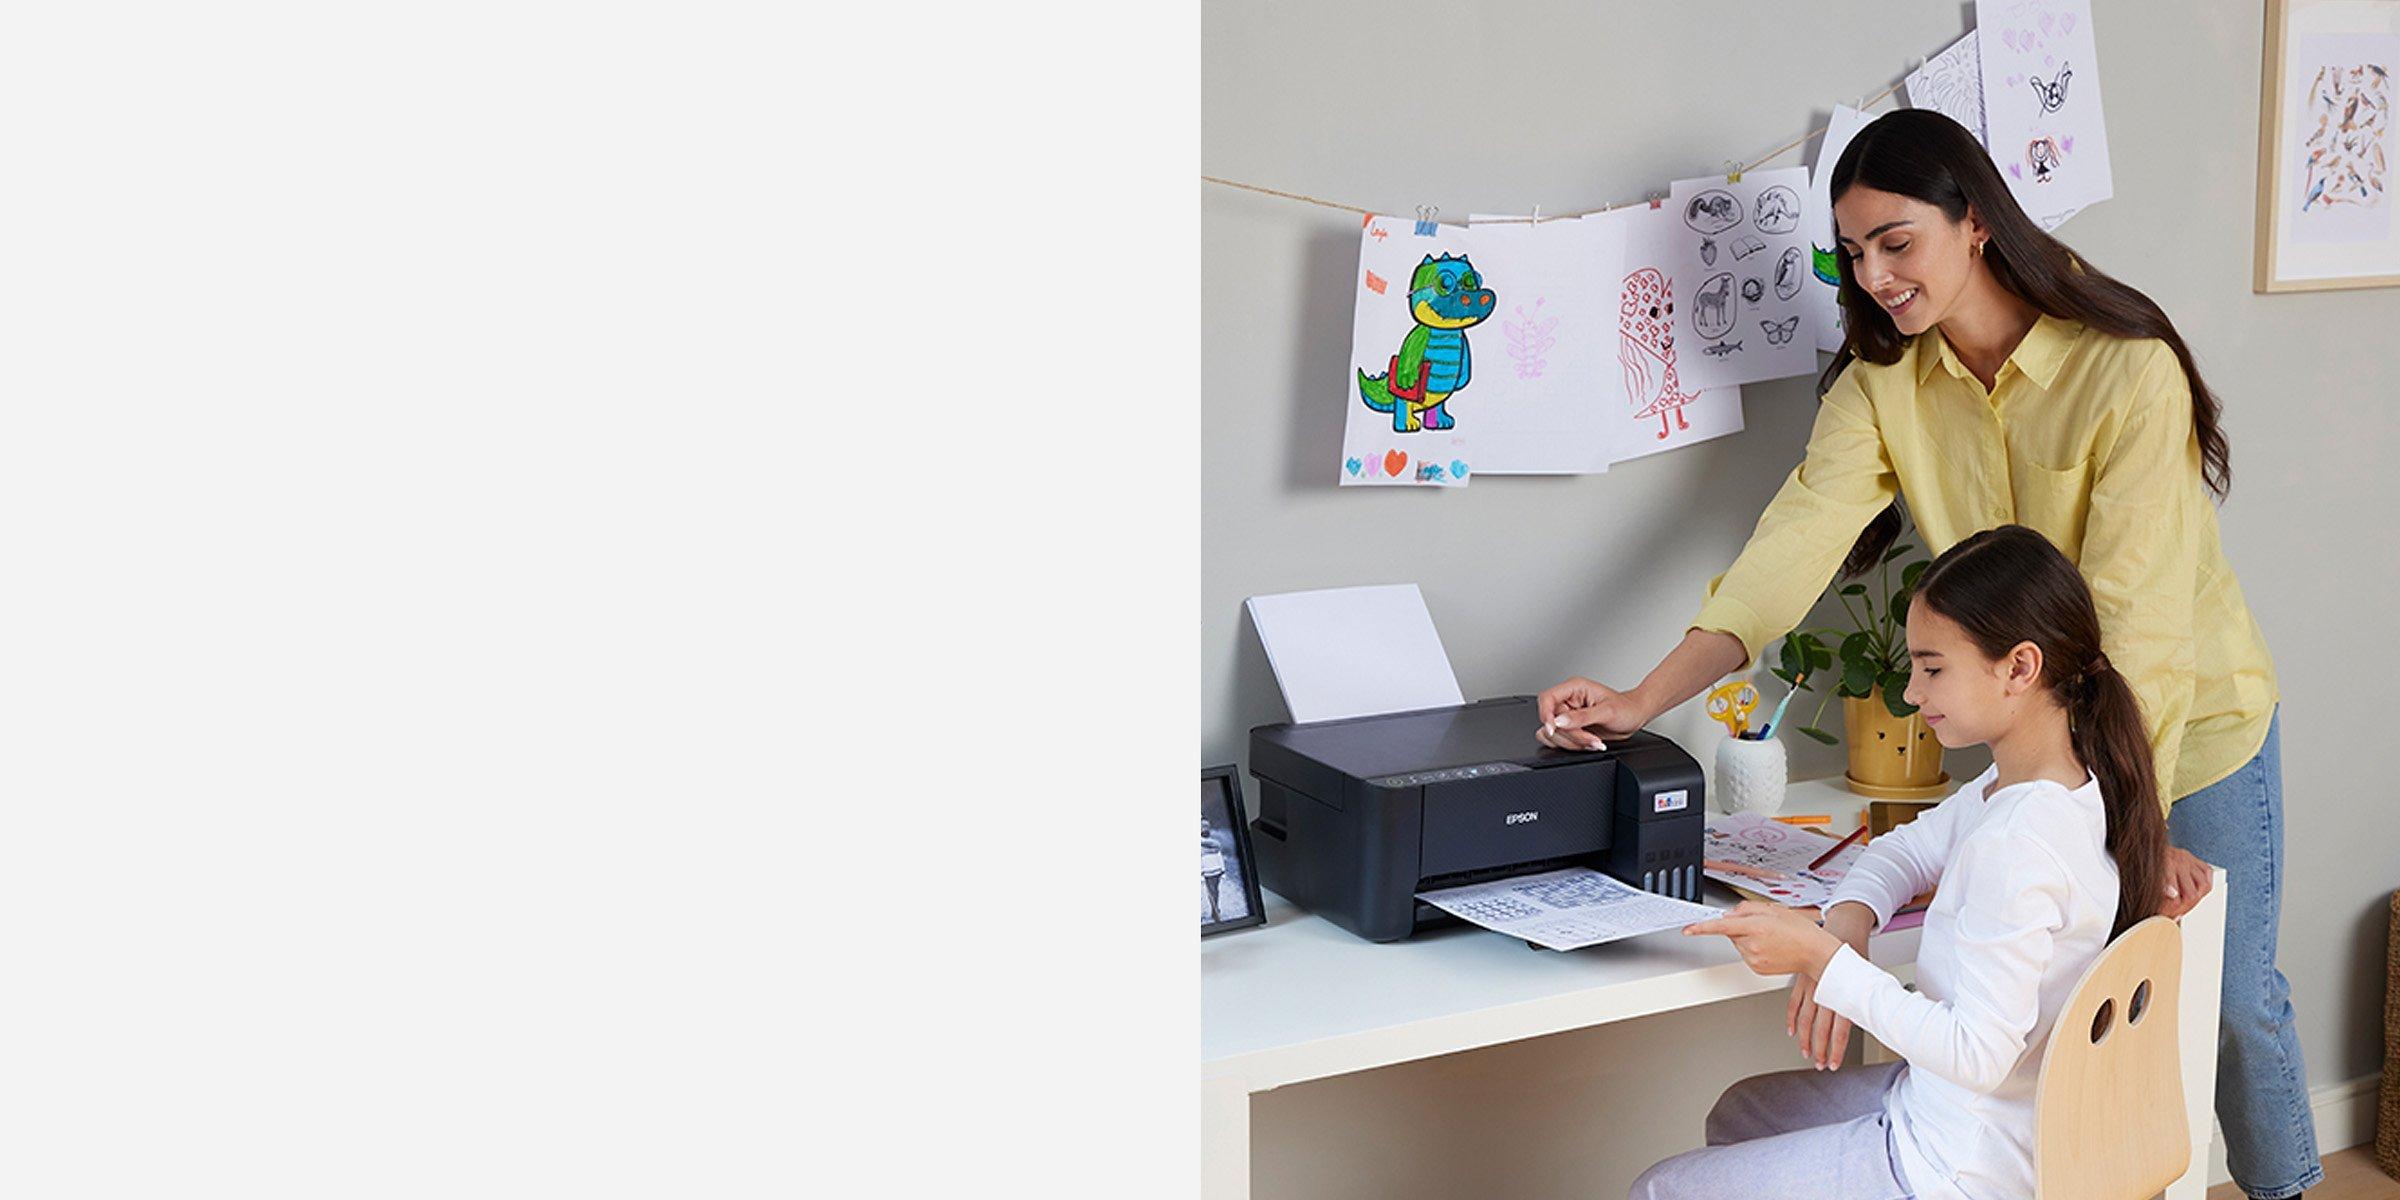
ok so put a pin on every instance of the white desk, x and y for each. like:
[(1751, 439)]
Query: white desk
[(1301, 999)]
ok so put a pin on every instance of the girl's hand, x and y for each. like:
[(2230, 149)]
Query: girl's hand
[(1823, 1034), (1772, 939), (1580, 715), (2187, 881)]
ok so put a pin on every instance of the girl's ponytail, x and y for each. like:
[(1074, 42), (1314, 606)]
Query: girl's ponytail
[(2105, 722), (2009, 586)]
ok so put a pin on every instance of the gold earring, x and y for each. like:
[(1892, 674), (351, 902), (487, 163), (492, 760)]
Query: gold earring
[(1979, 249)]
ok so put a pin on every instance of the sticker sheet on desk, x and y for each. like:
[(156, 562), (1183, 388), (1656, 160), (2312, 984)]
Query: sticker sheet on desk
[(1567, 909), (2041, 105), (1737, 259), (1824, 274), (1766, 844), (1657, 410), (1470, 352)]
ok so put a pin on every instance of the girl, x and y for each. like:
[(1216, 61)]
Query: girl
[(1995, 378), (2042, 859)]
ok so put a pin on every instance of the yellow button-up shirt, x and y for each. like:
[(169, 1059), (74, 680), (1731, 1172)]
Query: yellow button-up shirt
[(2085, 437)]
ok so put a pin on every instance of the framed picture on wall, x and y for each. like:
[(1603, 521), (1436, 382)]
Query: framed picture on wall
[(1229, 894), (2328, 145)]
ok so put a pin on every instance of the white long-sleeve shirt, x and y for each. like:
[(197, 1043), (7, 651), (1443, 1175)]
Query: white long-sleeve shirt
[(2028, 893)]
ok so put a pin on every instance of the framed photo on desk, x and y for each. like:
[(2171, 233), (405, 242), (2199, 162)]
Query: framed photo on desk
[(1229, 894)]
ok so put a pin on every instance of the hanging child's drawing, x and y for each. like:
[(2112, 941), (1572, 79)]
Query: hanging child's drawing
[(1658, 410), (2041, 104), (1951, 83), (1471, 352), (1822, 280), (1736, 254)]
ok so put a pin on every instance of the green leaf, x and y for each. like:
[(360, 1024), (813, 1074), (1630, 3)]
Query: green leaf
[(1793, 656), (1895, 686), (1858, 677), (1855, 589), (1910, 574), (1819, 658), (1819, 734), (1893, 555), (1858, 647)]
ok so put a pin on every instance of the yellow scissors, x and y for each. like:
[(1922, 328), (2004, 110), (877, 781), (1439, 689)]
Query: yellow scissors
[(1730, 705)]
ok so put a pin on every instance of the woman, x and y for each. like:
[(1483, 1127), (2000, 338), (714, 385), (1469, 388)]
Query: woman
[(1995, 379)]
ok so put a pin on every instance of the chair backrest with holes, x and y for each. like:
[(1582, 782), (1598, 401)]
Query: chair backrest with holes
[(2108, 1112)]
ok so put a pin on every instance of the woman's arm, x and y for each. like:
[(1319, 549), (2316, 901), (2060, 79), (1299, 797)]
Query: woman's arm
[(1843, 482), (2141, 554)]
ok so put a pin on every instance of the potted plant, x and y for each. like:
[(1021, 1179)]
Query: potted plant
[(1893, 754)]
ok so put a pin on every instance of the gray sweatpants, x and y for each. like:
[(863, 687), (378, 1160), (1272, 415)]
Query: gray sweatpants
[(1811, 1133)]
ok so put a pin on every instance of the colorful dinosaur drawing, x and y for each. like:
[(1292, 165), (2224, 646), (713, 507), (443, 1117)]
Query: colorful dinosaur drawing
[(1446, 296)]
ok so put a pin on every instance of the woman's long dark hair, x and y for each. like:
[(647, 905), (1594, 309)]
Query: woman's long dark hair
[(2009, 586), (1921, 154)]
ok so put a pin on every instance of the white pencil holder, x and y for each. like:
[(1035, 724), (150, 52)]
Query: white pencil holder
[(1751, 776)]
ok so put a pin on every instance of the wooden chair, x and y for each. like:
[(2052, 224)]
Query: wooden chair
[(2108, 1111)]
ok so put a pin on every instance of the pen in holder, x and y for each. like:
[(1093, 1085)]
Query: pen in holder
[(1751, 773)]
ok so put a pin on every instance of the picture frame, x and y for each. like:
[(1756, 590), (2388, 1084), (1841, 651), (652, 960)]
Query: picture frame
[(1230, 897), (2327, 104)]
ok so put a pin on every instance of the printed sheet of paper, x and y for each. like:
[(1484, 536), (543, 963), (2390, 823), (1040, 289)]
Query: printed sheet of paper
[(2340, 139), (1951, 83), (1740, 263), (1465, 355), (1567, 910), (1824, 277), (1657, 410), (1767, 844), (2041, 104), (1354, 652), (1559, 415)]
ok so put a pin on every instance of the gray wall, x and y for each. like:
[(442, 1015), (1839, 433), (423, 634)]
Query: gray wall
[(1483, 106)]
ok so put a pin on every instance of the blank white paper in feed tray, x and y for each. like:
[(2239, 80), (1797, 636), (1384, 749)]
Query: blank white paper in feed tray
[(1354, 652)]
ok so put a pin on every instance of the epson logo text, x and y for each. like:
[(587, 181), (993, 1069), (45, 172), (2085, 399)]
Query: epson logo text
[(1523, 817)]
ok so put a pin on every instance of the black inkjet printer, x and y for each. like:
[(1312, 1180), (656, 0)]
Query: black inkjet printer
[(1357, 816)]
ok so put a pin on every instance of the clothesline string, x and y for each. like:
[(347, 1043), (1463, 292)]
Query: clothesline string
[(1753, 165)]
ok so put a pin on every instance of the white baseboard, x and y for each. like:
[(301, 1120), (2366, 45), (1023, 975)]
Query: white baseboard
[(2344, 1114)]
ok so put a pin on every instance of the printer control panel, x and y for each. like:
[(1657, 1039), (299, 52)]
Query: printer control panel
[(1447, 775)]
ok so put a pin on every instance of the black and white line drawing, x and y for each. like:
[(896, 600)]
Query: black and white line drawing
[(1708, 251), (1788, 274), (1712, 211), (1778, 210), (1721, 349), (1779, 332), (1753, 291), (1713, 308), (1747, 245), (2053, 94)]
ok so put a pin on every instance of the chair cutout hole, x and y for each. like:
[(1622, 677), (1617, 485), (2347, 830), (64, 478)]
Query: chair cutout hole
[(2139, 1006), (2101, 1021)]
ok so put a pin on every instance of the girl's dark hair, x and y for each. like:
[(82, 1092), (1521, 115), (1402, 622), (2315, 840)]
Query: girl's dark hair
[(2009, 586), (1921, 154)]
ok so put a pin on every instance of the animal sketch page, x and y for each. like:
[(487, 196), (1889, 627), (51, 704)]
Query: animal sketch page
[(2041, 105), (1656, 411), (1824, 286), (1546, 354), (1951, 83), (1567, 909), (1354, 652), (1740, 265), (1413, 341)]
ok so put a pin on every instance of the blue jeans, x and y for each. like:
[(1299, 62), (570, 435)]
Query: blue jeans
[(2262, 1086)]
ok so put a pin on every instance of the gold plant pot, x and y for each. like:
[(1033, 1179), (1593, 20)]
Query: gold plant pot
[(1891, 758)]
